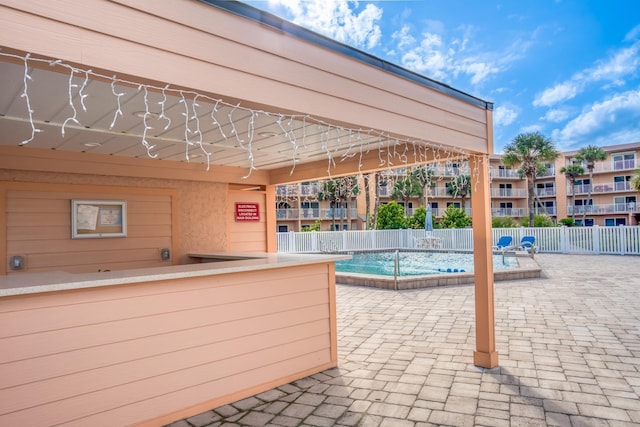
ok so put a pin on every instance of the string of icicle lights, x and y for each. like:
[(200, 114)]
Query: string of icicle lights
[(338, 143)]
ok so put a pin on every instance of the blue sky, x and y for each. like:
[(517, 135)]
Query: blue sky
[(568, 69)]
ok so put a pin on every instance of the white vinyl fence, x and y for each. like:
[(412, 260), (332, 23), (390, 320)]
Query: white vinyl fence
[(621, 240)]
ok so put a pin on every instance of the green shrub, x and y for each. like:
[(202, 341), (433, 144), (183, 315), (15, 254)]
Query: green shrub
[(569, 222), (503, 222), (314, 227), (391, 217), (542, 220), (454, 218)]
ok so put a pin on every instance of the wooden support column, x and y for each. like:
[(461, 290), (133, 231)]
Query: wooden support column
[(271, 220), (485, 355)]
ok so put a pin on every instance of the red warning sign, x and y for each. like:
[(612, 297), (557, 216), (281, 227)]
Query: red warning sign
[(247, 212)]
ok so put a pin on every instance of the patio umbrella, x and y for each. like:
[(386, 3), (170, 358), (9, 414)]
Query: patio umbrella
[(428, 220)]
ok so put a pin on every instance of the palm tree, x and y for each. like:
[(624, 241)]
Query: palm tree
[(529, 150), (349, 190), (572, 172), (328, 191), (590, 155), (635, 179), (424, 175), (366, 179), (337, 190), (406, 188), (460, 186)]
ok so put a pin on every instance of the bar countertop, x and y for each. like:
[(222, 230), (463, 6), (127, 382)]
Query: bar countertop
[(226, 262)]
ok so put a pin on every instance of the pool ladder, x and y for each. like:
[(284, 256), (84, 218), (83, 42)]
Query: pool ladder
[(396, 269)]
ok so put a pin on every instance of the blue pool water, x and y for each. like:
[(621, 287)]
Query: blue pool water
[(416, 263)]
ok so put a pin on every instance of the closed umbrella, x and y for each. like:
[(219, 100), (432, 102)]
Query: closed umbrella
[(428, 220)]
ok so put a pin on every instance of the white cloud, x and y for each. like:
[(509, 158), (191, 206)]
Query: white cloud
[(338, 19), (622, 63), (504, 116), (634, 34), (557, 94), (531, 128), (403, 37), (446, 60), (615, 113), (557, 115), (479, 71)]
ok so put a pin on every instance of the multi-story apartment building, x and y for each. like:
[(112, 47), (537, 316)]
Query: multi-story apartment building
[(609, 199), (612, 200)]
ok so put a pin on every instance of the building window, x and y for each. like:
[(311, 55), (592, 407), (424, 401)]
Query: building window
[(623, 161), (454, 204), (611, 222), (582, 185), (506, 190), (624, 203), (548, 207), (588, 222), (545, 188), (283, 228), (310, 209), (621, 183)]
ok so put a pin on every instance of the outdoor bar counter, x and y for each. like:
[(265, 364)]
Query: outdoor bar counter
[(153, 345)]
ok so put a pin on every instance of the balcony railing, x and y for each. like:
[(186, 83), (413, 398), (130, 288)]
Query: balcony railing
[(547, 173), (600, 188), (513, 212), (550, 210), (287, 190), (504, 173), (545, 192), (618, 165), (314, 213), (604, 209), (309, 189), (508, 192)]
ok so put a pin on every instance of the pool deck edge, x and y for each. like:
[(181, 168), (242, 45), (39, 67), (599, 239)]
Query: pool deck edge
[(528, 269)]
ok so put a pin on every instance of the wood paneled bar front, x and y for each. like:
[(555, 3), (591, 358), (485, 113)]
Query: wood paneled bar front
[(148, 346)]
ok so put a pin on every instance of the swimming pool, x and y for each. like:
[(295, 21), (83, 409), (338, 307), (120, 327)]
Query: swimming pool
[(416, 263)]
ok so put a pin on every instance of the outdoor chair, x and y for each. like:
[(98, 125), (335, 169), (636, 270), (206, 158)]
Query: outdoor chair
[(527, 243), (503, 243)]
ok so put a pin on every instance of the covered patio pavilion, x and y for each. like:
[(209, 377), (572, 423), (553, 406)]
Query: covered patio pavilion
[(141, 143)]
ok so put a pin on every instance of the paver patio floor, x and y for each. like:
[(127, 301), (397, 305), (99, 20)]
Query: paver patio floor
[(569, 348)]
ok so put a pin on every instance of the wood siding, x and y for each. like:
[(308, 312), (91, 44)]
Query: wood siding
[(38, 228), (294, 75), (160, 351), (247, 236)]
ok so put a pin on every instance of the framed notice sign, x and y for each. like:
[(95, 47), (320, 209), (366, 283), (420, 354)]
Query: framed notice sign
[(247, 212), (98, 218)]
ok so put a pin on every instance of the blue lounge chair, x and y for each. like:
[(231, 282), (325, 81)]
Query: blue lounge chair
[(503, 242), (527, 242)]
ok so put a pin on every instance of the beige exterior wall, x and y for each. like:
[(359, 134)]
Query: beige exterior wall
[(155, 352)]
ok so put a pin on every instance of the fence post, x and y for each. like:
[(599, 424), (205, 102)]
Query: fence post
[(595, 236), (623, 240), (344, 240), (564, 239), (291, 237)]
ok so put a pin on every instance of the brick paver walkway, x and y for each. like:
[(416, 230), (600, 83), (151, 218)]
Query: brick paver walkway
[(569, 347)]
